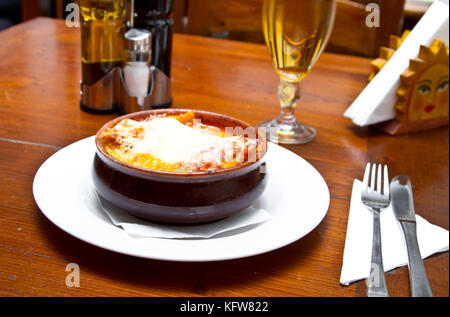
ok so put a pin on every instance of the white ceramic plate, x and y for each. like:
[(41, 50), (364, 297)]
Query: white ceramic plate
[(296, 196)]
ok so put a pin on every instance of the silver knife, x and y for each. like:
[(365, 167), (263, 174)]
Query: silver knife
[(403, 205)]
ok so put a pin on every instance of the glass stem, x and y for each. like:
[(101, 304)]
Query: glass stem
[(289, 94)]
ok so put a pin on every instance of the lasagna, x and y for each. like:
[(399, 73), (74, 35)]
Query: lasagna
[(178, 143)]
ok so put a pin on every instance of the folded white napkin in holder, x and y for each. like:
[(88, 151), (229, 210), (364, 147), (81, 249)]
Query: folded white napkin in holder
[(358, 242), (376, 102)]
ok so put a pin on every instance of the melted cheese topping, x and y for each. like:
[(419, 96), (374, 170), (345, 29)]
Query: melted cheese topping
[(175, 144)]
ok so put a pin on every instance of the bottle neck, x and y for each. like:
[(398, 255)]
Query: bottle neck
[(154, 9)]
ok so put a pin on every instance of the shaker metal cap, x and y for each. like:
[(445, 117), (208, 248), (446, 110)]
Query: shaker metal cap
[(138, 40)]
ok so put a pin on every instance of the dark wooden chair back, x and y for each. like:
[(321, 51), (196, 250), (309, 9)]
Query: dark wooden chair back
[(241, 20)]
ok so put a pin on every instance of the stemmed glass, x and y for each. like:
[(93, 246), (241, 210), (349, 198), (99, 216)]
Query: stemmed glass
[(296, 32)]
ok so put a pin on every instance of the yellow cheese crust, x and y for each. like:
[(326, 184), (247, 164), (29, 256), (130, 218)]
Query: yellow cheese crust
[(217, 152)]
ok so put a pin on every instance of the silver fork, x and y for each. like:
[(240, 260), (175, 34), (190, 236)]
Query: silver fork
[(376, 197)]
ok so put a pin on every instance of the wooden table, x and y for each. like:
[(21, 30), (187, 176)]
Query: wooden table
[(39, 114)]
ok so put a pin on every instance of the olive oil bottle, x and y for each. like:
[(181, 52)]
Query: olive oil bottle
[(102, 28)]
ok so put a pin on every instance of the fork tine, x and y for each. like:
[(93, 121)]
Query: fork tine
[(366, 177), (386, 181), (372, 179), (379, 178)]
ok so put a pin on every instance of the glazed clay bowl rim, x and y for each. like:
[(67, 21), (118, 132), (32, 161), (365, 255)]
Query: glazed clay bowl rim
[(175, 111)]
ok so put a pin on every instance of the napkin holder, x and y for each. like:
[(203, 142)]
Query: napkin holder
[(110, 94), (422, 98)]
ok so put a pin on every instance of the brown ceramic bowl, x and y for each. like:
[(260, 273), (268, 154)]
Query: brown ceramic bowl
[(176, 197)]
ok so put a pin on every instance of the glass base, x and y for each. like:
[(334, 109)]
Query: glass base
[(278, 132)]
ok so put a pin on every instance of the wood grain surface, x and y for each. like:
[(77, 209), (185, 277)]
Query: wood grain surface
[(39, 114), (241, 20)]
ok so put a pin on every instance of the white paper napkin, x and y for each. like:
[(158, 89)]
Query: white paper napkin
[(358, 243), (376, 102), (139, 228)]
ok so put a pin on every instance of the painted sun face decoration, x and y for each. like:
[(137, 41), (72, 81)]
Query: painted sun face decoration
[(387, 52), (424, 90), (430, 94)]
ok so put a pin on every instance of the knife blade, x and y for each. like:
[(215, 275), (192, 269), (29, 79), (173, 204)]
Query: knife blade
[(402, 199), (403, 206)]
